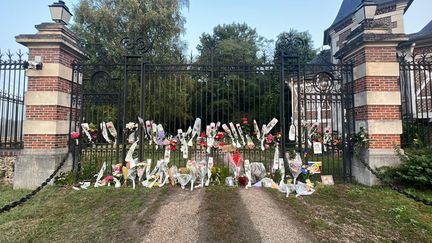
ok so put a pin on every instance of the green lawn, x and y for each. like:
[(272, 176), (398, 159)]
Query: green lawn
[(341, 213), (66, 215), (354, 213)]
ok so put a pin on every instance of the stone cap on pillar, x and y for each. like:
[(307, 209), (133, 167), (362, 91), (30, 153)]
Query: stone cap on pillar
[(367, 35), (52, 35)]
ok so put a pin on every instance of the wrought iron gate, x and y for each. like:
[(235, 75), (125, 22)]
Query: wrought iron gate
[(314, 101)]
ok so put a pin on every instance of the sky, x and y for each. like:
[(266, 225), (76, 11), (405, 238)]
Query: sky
[(269, 17)]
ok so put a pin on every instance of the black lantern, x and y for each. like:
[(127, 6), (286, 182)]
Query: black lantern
[(60, 12), (366, 11)]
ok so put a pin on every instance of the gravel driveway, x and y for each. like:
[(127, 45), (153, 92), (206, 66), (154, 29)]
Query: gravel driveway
[(178, 219), (270, 221)]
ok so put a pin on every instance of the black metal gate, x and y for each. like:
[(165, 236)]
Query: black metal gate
[(313, 105), (416, 88)]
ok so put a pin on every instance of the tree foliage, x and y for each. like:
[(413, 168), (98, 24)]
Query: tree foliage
[(305, 53), (102, 24), (230, 44)]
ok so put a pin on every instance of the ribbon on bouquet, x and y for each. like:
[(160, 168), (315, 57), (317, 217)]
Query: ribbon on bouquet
[(192, 166), (100, 174), (202, 171), (163, 167), (141, 123), (195, 131), (209, 167), (266, 129), (256, 129), (105, 132), (159, 139), (240, 131), (147, 170), (276, 164), (211, 134), (148, 131), (227, 130), (248, 173), (234, 132), (112, 130), (249, 143), (184, 146), (131, 150), (291, 134), (86, 128), (327, 138), (153, 173)]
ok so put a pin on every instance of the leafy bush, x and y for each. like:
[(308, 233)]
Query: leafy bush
[(65, 178), (415, 170), (87, 172)]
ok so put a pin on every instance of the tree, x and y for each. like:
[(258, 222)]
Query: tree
[(230, 44), (238, 88), (304, 50), (102, 24)]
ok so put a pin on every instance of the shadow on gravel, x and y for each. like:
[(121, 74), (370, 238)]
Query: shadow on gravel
[(224, 218)]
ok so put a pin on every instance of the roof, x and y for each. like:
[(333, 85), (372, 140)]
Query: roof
[(424, 33), (324, 57), (349, 7)]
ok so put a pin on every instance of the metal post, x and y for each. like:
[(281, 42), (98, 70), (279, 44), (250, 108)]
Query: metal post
[(140, 126), (282, 109), (123, 110)]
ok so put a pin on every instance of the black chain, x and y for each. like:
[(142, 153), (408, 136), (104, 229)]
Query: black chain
[(394, 187), (25, 198)]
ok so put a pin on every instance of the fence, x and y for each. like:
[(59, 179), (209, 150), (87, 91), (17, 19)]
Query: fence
[(416, 90), (313, 99), (13, 83)]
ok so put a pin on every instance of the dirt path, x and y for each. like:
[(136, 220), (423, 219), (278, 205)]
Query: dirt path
[(224, 217), (178, 219), (269, 220)]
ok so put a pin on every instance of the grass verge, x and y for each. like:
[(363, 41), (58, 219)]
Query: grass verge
[(64, 215), (354, 213)]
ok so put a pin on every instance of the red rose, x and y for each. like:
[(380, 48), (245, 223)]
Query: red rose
[(221, 144), (172, 147), (75, 135), (220, 135), (203, 135)]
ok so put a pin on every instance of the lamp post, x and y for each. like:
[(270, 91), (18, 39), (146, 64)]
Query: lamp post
[(60, 12)]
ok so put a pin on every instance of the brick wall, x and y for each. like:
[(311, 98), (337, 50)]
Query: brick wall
[(374, 54), (45, 141), (49, 84), (52, 55)]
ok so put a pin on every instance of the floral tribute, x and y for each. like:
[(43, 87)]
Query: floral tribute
[(230, 139)]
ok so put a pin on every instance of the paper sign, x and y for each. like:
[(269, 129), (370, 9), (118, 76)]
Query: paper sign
[(327, 180), (315, 167)]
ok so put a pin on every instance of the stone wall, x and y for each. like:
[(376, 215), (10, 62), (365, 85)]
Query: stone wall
[(7, 163)]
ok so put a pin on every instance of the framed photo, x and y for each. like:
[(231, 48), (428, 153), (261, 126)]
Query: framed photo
[(317, 147), (327, 180)]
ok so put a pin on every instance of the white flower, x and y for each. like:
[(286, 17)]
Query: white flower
[(131, 125)]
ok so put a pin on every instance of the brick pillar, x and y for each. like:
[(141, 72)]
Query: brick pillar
[(377, 98), (47, 101)]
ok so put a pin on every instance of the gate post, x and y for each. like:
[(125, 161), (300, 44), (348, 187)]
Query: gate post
[(47, 102), (370, 44)]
